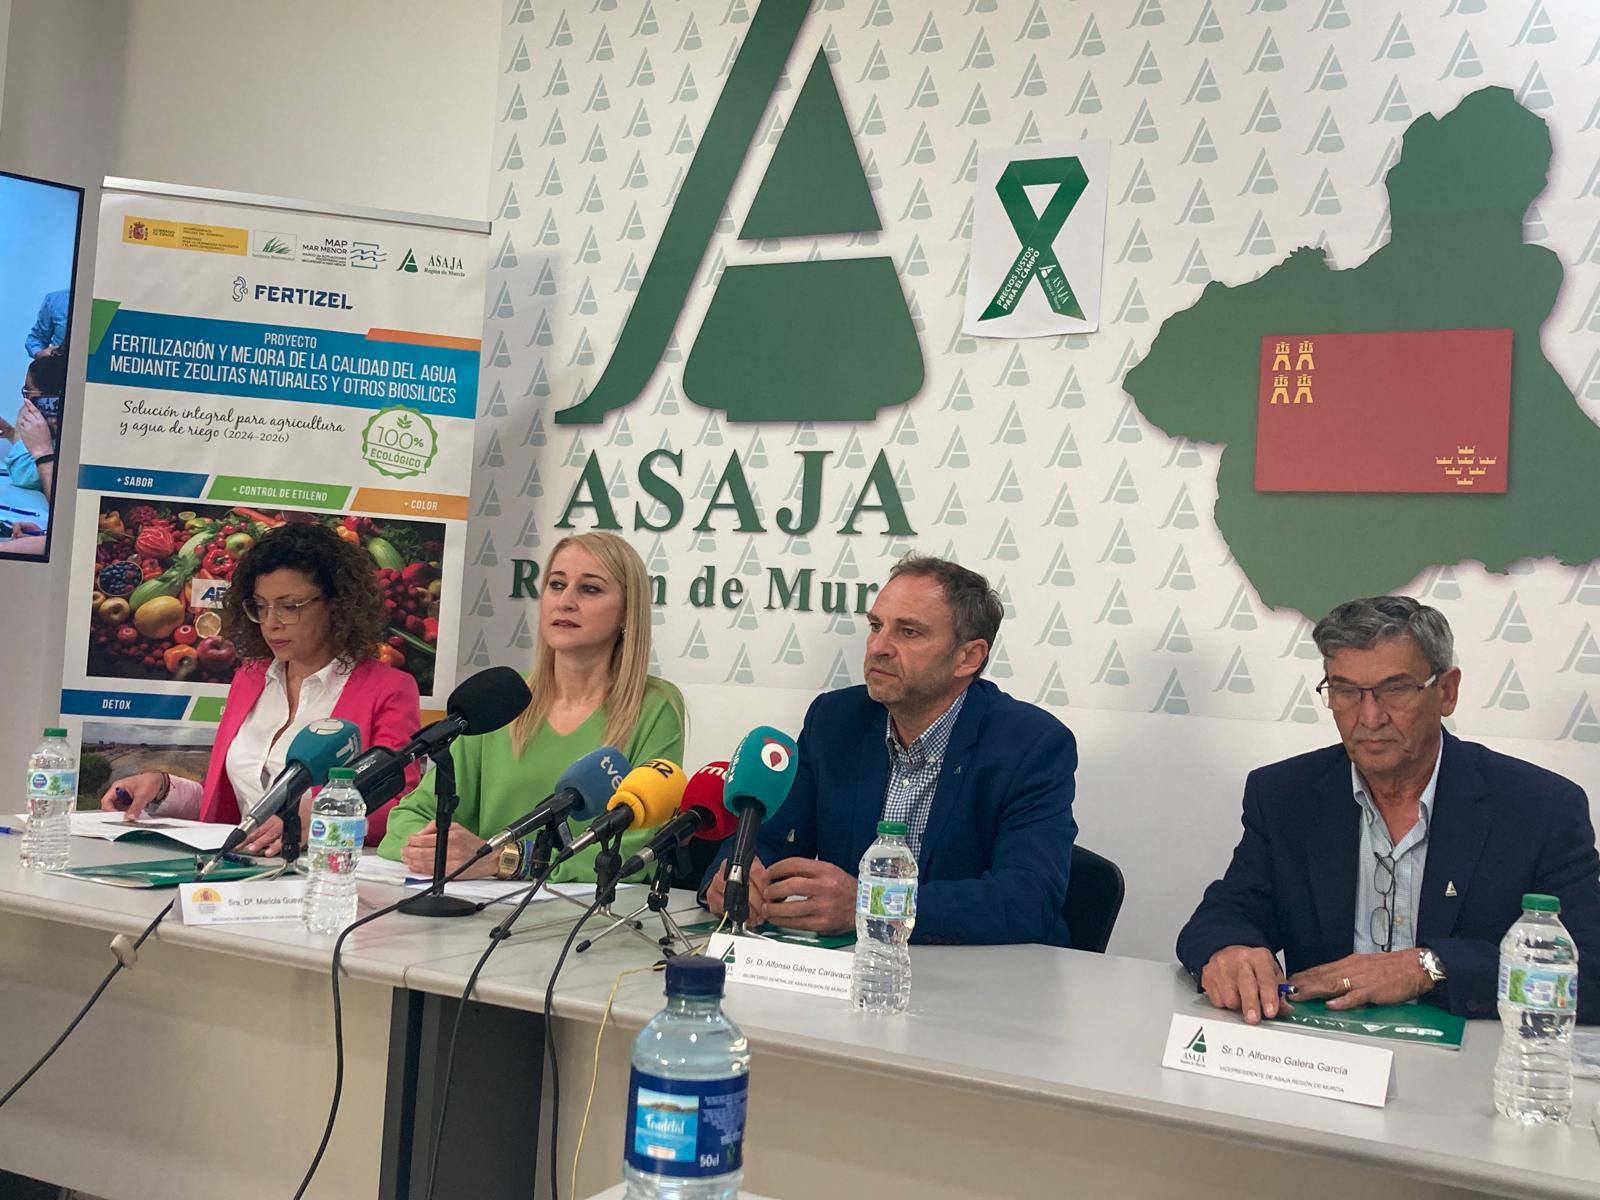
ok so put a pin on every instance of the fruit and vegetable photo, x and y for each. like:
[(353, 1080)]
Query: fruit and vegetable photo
[(161, 569)]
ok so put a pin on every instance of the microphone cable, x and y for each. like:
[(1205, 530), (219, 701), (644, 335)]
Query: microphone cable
[(496, 935), (550, 1045), (338, 1024), (127, 954)]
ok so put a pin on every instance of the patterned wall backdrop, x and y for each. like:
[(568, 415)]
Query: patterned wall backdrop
[(1239, 131)]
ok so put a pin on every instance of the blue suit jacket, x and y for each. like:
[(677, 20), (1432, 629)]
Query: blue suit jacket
[(998, 844), (1500, 827)]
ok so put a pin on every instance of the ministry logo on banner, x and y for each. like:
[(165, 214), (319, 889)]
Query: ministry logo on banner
[(1038, 241)]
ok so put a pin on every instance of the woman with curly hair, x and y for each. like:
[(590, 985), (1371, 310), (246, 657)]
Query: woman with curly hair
[(591, 687), (305, 615)]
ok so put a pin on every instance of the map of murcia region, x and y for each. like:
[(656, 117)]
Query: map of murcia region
[(1456, 260)]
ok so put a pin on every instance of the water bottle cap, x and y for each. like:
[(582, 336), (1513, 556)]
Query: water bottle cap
[(1539, 902), (55, 733), (695, 975), (891, 829), (341, 773)]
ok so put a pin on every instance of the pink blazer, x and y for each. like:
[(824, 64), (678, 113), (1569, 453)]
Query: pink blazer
[(381, 701)]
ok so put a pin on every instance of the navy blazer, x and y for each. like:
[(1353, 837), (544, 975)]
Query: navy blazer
[(1500, 827), (998, 843)]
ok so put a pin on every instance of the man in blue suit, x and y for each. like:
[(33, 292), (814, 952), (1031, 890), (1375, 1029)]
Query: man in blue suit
[(1389, 867), (983, 782)]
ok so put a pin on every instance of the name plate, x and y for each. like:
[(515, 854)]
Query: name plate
[(242, 900), (768, 963), (1290, 1062)]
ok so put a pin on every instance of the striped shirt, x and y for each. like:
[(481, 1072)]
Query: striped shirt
[(914, 772)]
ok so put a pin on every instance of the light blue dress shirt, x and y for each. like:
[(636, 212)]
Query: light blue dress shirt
[(1409, 858)]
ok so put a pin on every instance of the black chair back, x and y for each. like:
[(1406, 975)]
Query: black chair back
[(1094, 898)]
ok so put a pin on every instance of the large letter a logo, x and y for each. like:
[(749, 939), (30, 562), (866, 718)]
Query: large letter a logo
[(824, 340)]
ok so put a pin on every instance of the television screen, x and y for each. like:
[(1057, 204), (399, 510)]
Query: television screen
[(39, 226)]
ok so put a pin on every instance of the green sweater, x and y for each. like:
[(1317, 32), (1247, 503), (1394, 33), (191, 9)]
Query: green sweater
[(496, 787)]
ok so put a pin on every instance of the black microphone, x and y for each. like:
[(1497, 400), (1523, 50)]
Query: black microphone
[(380, 775), (489, 700)]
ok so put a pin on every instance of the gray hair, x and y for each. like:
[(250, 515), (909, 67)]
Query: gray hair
[(1361, 624), (974, 606)]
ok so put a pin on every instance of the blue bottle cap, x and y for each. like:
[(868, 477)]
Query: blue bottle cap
[(695, 975)]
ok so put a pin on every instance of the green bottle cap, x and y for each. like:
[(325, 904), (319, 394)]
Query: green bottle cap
[(341, 773), (1539, 902), (58, 733), (891, 829)]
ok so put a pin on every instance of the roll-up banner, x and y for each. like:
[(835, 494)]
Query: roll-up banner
[(254, 361)]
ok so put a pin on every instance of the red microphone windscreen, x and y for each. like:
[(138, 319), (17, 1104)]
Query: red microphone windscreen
[(705, 792)]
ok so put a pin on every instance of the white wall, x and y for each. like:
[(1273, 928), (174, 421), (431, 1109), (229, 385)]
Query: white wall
[(384, 103)]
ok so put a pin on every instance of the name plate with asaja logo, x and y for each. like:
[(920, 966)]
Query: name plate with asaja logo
[(244, 900), (1290, 1062), (767, 962)]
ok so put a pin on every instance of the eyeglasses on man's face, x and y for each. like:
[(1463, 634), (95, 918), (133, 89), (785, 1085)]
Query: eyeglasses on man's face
[(1392, 697)]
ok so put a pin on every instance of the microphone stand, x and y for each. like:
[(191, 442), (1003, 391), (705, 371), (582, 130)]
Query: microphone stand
[(551, 840), (433, 902), (656, 901), (607, 868), (291, 834)]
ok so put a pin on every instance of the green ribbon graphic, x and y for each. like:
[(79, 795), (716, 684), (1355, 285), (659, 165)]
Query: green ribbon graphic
[(1037, 259)]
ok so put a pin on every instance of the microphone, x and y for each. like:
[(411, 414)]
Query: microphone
[(648, 797), (759, 777), (485, 702), (581, 794), (489, 700), (316, 750), (703, 814)]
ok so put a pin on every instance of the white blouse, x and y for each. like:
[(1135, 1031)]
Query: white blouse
[(260, 750)]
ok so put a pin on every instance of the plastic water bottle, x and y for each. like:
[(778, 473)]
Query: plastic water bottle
[(52, 796), (886, 912), (338, 827), (1538, 1007), (684, 1133)]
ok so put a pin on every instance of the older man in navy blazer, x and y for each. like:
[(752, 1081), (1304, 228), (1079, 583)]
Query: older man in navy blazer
[(1389, 867), (983, 782)]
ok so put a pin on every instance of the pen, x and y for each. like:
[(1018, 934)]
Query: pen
[(122, 797), (8, 829), (1286, 989)]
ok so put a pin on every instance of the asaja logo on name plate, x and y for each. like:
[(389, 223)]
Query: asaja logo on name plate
[(1194, 1054), (399, 442)]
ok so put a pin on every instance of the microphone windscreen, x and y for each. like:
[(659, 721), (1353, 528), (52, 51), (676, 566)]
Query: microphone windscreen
[(596, 777), (489, 700), (762, 770), (705, 792), (653, 791), (323, 745)]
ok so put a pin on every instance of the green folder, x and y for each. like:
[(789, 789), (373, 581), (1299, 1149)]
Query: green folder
[(795, 937), (165, 872), (1421, 1023)]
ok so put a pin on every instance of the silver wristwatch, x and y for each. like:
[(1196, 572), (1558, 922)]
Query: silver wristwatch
[(1429, 961)]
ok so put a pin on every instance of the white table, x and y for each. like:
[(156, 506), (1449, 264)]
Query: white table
[(1018, 1069)]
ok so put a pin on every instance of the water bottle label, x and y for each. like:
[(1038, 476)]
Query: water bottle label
[(337, 833), (53, 783), (1551, 988), (686, 1128), (892, 900)]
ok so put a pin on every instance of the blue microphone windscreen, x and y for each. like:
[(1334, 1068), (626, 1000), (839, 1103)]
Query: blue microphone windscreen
[(323, 745), (595, 777), (762, 770)]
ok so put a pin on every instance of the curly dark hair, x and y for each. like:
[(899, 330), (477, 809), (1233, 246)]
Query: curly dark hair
[(341, 570)]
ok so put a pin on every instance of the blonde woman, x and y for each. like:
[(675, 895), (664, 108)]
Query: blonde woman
[(591, 687)]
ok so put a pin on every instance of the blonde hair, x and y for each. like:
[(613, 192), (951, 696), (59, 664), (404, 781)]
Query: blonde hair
[(630, 655)]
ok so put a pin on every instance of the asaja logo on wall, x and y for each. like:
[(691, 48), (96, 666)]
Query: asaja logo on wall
[(273, 245), (830, 339), (435, 264), (409, 263), (399, 442)]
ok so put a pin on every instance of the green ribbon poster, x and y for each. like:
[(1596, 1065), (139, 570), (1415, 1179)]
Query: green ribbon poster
[(1038, 240)]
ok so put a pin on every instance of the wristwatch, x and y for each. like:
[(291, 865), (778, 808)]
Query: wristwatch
[(1429, 962), (509, 864)]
